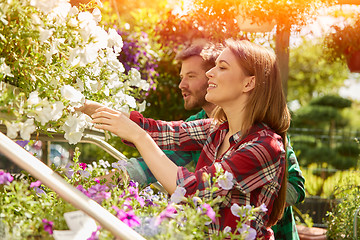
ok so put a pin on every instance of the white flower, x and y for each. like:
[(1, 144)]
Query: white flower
[(97, 14), (57, 110), (5, 69), (74, 11), (75, 97), (86, 23), (144, 85), (43, 113), (115, 40), (100, 37), (36, 19), (130, 100), (178, 195), (226, 181), (33, 98), (46, 6), (27, 128), (94, 86), (45, 34), (60, 12), (135, 77), (74, 127), (218, 168), (227, 229), (12, 129), (142, 106), (73, 22), (83, 55)]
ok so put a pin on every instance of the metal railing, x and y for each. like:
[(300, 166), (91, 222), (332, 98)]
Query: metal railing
[(48, 177)]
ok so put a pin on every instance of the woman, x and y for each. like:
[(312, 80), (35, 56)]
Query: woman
[(246, 136)]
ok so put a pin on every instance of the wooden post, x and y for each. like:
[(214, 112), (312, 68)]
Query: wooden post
[(282, 52)]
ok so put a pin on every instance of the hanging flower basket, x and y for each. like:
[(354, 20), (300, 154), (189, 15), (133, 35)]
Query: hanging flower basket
[(353, 62)]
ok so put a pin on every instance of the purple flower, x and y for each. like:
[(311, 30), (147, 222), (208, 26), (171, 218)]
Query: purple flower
[(133, 184), (83, 166), (98, 193), (36, 186), (247, 231), (22, 143), (120, 165), (209, 211), (5, 178), (83, 190), (149, 203), (69, 172), (48, 226), (178, 195), (237, 210), (128, 217), (84, 173), (263, 208)]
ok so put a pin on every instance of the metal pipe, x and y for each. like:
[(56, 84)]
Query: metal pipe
[(70, 194), (355, 222)]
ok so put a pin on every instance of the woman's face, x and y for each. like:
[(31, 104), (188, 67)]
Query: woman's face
[(227, 81)]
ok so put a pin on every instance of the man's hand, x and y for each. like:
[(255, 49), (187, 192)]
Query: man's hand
[(114, 177)]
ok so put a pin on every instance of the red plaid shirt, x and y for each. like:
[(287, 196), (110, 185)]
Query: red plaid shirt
[(257, 162)]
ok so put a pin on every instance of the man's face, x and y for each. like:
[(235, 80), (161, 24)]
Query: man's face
[(193, 83)]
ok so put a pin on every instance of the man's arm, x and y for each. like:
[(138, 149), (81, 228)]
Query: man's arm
[(296, 181), (140, 172)]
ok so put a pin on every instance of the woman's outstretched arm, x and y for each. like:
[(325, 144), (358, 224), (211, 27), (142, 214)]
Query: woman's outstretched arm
[(119, 123)]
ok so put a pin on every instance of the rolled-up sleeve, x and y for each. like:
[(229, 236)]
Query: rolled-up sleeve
[(175, 135)]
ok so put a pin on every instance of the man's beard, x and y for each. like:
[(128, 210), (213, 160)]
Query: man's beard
[(194, 103)]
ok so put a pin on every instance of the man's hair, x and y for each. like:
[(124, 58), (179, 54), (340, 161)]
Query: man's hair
[(201, 48)]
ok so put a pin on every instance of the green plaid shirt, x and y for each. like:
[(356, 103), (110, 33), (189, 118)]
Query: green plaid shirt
[(285, 229)]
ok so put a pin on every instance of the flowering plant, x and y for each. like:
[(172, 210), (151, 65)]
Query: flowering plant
[(343, 39), (31, 209), (52, 57)]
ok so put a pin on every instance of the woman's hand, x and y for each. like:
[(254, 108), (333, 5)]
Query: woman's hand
[(118, 123)]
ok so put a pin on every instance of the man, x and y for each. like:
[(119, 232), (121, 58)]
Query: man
[(196, 60)]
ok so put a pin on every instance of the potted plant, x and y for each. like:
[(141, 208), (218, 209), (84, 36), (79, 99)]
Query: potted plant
[(343, 42)]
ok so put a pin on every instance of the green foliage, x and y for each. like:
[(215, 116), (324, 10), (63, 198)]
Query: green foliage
[(315, 115), (349, 149), (311, 75), (332, 101), (340, 220), (325, 183)]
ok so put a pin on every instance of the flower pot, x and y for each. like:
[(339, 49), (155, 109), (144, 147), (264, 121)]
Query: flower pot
[(313, 233), (353, 61)]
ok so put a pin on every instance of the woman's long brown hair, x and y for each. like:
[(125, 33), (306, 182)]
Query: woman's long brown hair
[(266, 102)]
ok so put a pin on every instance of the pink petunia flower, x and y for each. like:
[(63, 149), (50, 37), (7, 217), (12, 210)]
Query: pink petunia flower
[(48, 226), (5, 178)]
